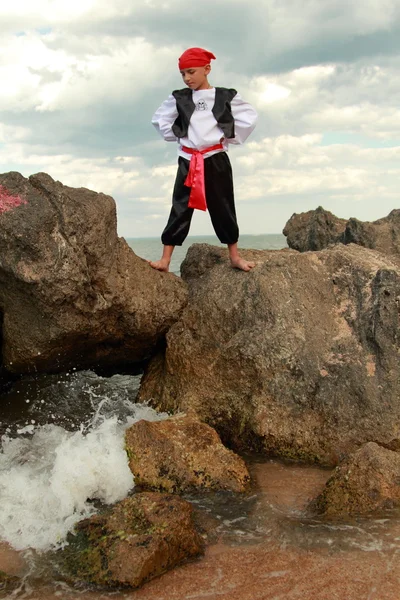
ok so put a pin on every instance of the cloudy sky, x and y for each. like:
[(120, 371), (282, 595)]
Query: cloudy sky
[(80, 80)]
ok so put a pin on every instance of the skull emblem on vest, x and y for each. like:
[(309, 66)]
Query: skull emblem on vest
[(201, 105)]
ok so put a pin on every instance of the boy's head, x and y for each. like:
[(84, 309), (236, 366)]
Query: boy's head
[(194, 65)]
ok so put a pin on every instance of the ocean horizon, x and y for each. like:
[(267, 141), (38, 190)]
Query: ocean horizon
[(150, 248)]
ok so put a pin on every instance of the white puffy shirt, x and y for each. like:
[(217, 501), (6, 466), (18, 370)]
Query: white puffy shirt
[(203, 130)]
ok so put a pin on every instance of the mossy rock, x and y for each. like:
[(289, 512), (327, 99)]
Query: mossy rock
[(138, 539)]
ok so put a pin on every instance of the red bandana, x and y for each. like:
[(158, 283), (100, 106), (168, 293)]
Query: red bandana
[(195, 57)]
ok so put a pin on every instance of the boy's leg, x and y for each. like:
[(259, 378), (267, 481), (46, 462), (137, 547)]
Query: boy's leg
[(221, 205), (179, 220), (237, 261), (163, 263)]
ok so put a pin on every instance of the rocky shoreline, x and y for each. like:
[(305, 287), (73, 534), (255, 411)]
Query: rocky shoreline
[(297, 359)]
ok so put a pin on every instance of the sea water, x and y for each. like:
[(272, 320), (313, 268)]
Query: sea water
[(63, 453)]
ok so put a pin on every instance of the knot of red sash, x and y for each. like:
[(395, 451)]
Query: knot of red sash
[(195, 177)]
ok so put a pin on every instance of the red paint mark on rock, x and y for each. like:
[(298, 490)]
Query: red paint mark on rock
[(9, 201)]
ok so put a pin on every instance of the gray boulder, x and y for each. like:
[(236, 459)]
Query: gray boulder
[(317, 229), (313, 230)]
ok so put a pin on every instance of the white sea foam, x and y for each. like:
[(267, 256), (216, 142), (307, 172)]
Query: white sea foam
[(47, 479)]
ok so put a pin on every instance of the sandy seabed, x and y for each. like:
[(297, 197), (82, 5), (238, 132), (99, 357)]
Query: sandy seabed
[(287, 557)]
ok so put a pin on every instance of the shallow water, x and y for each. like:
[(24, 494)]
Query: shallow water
[(262, 545), (62, 452)]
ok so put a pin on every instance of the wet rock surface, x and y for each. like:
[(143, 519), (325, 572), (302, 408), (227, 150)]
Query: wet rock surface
[(139, 539), (73, 294), (366, 482), (298, 358), (182, 454), (317, 229)]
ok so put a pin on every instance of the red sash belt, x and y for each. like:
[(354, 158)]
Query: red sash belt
[(195, 178)]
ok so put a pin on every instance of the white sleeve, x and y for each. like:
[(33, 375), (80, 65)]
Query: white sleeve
[(164, 118), (245, 119)]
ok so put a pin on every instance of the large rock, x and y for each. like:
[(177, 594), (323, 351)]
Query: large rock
[(313, 230), (367, 481), (182, 454), (297, 358), (317, 229), (71, 292), (140, 538)]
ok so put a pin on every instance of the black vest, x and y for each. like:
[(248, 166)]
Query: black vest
[(221, 111)]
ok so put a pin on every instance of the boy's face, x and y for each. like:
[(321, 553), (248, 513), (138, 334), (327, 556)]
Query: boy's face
[(196, 77)]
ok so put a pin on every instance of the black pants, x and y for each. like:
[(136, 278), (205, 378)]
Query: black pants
[(220, 202)]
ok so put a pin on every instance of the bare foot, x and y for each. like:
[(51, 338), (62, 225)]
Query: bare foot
[(242, 264), (160, 265)]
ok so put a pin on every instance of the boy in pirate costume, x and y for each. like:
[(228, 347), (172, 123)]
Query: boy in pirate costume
[(203, 120)]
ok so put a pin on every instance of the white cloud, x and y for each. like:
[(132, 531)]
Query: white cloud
[(294, 23), (356, 98), (81, 79), (36, 76), (301, 170), (10, 134)]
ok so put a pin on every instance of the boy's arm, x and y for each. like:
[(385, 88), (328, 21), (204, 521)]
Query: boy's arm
[(245, 119), (164, 118)]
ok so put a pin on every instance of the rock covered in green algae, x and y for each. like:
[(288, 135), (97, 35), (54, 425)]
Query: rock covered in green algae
[(183, 454), (140, 538), (367, 481)]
